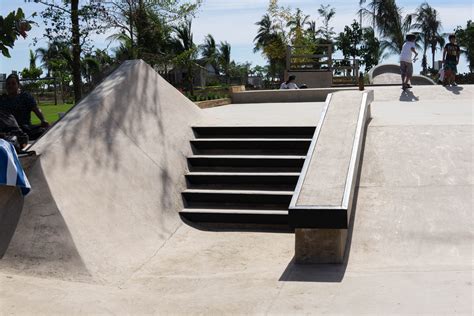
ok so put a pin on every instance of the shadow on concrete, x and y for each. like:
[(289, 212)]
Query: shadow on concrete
[(42, 244), (454, 90), (11, 206), (408, 96), (328, 273)]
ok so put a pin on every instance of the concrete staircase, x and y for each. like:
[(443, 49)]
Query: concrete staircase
[(244, 175)]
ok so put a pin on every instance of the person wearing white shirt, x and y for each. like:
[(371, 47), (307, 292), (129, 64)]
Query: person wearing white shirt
[(289, 84), (406, 60)]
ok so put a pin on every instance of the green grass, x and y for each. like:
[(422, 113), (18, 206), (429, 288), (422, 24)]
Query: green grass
[(50, 112)]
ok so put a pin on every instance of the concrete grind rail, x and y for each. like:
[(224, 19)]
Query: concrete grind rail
[(321, 206)]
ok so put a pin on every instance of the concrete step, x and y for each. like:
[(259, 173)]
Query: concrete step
[(277, 181), (236, 216), (237, 199), (251, 146), (254, 131), (246, 163)]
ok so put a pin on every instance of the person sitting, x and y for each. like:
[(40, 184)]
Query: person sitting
[(10, 131), (21, 104), (289, 84)]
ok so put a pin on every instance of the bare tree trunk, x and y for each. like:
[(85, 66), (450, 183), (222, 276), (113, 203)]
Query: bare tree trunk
[(433, 51), (76, 51)]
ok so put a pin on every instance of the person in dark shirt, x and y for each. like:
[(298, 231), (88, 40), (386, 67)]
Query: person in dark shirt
[(21, 104), (451, 60)]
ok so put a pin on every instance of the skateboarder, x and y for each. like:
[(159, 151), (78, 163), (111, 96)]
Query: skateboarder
[(406, 60), (451, 60)]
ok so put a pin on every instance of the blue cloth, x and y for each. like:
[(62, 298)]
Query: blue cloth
[(11, 172)]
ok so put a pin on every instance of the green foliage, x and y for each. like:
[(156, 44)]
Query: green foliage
[(388, 20), (11, 27), (465, 38), (370, 50), (427, 21), (56, 17), (350, 41), (357, 42), (327, 13)]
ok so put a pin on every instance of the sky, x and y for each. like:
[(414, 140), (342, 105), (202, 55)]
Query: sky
[(234, 21)]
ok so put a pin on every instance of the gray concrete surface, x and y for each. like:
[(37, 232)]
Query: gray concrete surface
[(124, 251), (326, 177), (107, 187)]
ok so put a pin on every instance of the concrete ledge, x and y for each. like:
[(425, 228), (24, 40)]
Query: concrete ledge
[(321, 206), (213, 103), (279, 96)]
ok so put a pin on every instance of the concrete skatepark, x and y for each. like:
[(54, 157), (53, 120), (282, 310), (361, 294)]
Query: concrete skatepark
[(101, 231)]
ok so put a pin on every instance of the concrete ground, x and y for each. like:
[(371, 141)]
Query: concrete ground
[(411, 248)]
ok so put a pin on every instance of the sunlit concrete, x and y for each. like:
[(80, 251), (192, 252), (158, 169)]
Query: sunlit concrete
[(410, 246)]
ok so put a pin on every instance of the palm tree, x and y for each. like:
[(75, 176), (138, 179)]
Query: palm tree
[(364, 11), (297, 22), (392, 27), (327, 13), (224, 59), (272, 43), (312, 31), (210, 53), (186, 51), (427, 21), (126, 49), (266, 33)]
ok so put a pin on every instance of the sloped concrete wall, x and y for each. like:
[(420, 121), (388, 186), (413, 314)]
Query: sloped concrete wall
[(107, 187)]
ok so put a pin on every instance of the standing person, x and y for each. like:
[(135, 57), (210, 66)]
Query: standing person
[(21, 104), (450, 61), (406, 60), (289, 84)]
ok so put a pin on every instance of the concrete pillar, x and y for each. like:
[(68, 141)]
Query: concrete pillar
[(320, 245)]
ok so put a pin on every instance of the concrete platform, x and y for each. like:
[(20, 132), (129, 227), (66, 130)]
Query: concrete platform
[(410, 246)]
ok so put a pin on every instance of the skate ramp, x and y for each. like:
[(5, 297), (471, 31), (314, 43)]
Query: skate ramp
[(107, 188), (390, 74), (411, 243)]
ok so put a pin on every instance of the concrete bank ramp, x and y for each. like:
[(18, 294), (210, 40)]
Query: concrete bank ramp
[(107, 187)]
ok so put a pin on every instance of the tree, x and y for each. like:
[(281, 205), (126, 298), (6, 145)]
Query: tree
[(327, 13), (57, 60), (370, 50), (224, 59), (350, 41), (148, 25), (32, 73), (72, 22), (272, 38), (359, 42), (11, 27), (186, 52), (210, 53), (296, 24), (427, 20), (465, 38)]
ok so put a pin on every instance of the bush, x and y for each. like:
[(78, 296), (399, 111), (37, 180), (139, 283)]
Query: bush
[(467, 78)]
